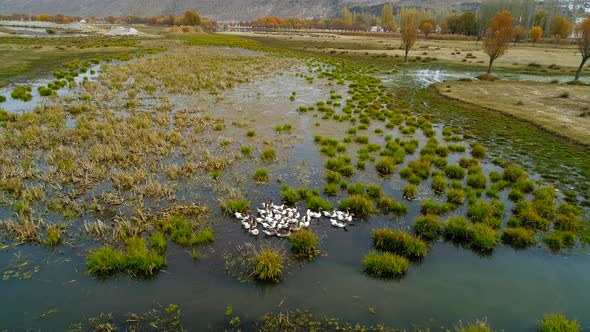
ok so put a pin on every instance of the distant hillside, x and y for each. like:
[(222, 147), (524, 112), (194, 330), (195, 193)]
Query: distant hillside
[(216, 9)]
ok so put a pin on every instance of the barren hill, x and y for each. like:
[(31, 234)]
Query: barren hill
[(215, 9)]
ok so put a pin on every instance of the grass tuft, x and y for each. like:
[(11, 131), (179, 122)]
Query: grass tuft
[(385, 265), (303, 244)]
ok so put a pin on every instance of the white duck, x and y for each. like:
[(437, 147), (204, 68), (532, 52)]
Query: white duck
[(240, 216), (254, 231), (337, 223), (270, 232)]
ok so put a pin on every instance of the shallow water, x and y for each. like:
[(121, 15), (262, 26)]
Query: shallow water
[(513, 289)]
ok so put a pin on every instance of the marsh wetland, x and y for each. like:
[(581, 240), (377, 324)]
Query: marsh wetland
[(118, 190)]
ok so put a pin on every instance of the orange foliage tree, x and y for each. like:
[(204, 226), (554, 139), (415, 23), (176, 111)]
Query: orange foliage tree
[(535, 34), (408, 30), (518, 33), (191, 18), (583, 41), (498, 36), (560, 27), (427, 28)]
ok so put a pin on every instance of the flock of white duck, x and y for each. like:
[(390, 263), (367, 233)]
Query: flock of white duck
[(282, 221)]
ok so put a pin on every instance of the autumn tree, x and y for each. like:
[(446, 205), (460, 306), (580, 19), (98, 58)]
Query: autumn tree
[(387, 16), (409, 29), (535, 34), (347, 17), (191, 18), (560, 27), (518, 33), (426, 29), (498, 36), (583, 41)]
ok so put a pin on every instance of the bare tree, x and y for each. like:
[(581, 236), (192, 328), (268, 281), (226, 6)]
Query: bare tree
[(583, 41)]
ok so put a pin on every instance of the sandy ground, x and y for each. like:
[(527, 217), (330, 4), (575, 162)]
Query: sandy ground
[(446, 51), (543, 104)]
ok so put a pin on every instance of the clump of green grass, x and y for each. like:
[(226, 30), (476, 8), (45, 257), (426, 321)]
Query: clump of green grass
[(105, 261), (246, 150), (359, 205), (289, 196), (251, 133), (140, 261), (374, 191), (268, 155), (439, 184), (304, 244), (331, 189), (432, 207), (267, 264), (316, 202), (202, 237), (356, 189), (456, 196), (180, 230), (519, 237), (478, 151), (385, 166), (389, 205), (235, 205), (22, 92), (261, 175), (158, 242), (427, 227), (558, 323), (457, 229), (333, 177), (560, 239), (483, 212), (454, 172), (513, 173), (137, 260), (478, 326), (399, 243), (483, 237), (385, 265), (410, 192), (477, 180)]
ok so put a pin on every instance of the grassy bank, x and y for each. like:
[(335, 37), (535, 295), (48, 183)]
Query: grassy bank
[(562, 110)]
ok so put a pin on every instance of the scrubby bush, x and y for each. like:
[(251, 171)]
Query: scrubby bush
[(356, 189), (431, 207), (289, 196), (331, 189), (560, 239)]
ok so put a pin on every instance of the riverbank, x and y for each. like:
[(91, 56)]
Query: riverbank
[(560, 109)]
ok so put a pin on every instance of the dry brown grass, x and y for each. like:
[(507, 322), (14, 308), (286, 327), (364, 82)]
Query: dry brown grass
[(542, 104)]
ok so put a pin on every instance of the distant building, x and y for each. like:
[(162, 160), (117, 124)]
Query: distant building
[(376, 28), (82, 21)]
